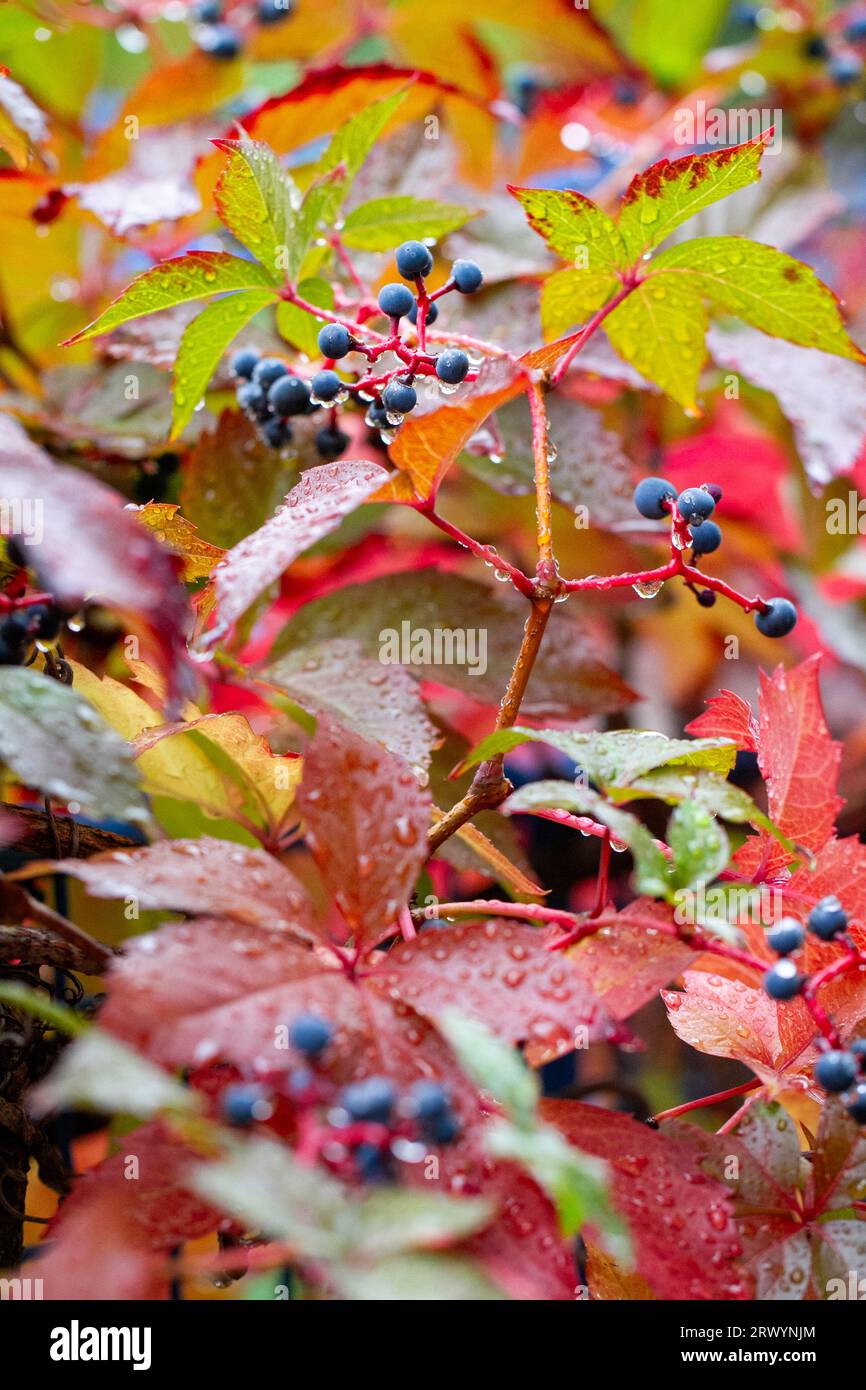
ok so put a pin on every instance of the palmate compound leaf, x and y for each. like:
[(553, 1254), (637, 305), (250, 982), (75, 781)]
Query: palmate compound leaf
[(52, 739), (616, 759), (795, 1219), (367, 819), (681, 1222), (113, 561), (419, 619), (633, 955), (314, 508), (197, 275), (660, 327), (203, 876)]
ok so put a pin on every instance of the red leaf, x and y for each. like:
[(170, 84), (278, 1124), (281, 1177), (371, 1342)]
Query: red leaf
[(681, 1222), (366, 820), (113, 558), (733, 457), (727, 716), (201, 876), (523, 1250), (99, 1253), (729, 1018), (798, 758), (322, 498), (500, 974), (632, 956)]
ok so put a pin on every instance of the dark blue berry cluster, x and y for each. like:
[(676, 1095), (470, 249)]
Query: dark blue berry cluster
[(363, 1130), (270, 395), (222, 36), (837, 1070), (19, 629), (690, 511)]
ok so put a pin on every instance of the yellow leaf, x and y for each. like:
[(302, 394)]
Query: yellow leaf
[(169, 525)]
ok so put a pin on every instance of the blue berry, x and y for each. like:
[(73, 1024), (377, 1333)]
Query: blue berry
[(694, 504), (276, 432), (413, 259), (428, 1100), (778, 620), (836, 1071), (467, 276), (372, 1099), (273, 11), (706, 598), (330, 444), (372, 1164), (443, 1130), (251, 397), (452, 366), (816, 47), (714, 490), (399, 398), (268, 370), (786, 936), (432, 313), (244, 362), (650, 495), (310, 1034), (395, 300), (828, 918), (302, 1085), (783, 980), (857, 1103), (208, 12), (745, 15), (221, 41), (434, 924), (707, 538), (326, 386), (858, 1047), (335, 340), (242, 1104), (377, 416), (845, 68), (289, 395), (856, 30)]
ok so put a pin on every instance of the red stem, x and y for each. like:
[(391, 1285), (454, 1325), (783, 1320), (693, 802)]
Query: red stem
[(718, 1099)]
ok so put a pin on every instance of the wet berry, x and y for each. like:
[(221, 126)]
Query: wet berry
[(310, 1034), (221, 41), (243, 1104), (856, 1103), (268, 370), (828, 918), (395, 300), (467, 276), (251, 396), (452, 366), (779, 618), (432, 313), (786, 936), (289, 395), (651, 494), (783, 980), (413, 259), (399, 398), (244, 363), (694, 505), (707, 538), (836, 1070), (274, 11), (335, 341), (326, 386), (276, 432)]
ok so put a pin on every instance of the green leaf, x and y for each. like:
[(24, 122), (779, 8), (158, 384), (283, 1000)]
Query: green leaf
[(398, 1219), (54, 740), (569, 297), (202, 345), (98, 1072), (651, 874), (348, 149), (493, 1065), (667, 194), (382, 223), (297, 326), (40, 1005), (764, 287), (708, 789), (615, 759), (660, 328), (699, 844), (664, 36), (197, 275), (258, 201), (572, 224)]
